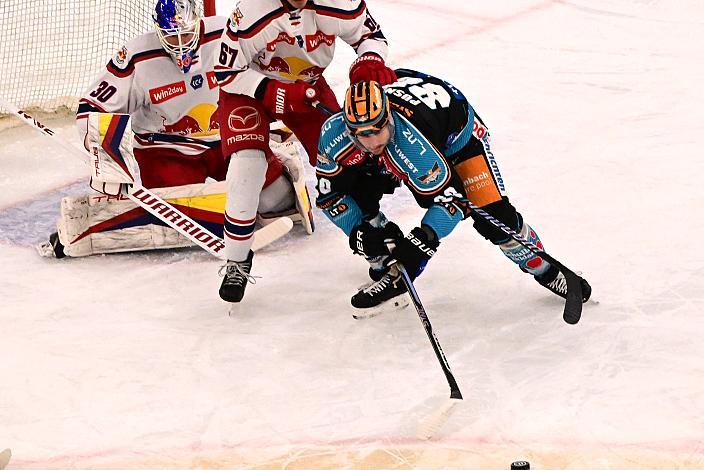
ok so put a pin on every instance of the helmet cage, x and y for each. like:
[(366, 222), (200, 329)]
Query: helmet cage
[(178, 28)]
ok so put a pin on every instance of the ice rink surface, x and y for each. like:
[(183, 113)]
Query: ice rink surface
[(596, 113)]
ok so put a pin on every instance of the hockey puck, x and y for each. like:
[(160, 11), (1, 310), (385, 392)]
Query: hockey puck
[(520, 465)]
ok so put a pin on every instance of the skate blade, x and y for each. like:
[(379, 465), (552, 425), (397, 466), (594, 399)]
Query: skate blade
[(396, 303), (235, 309), (5, 457), (45, 250)]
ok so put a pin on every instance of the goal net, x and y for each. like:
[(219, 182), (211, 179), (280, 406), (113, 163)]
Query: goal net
[(53, 49)]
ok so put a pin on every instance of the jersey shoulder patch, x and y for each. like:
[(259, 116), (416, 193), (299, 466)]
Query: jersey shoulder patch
[(143, 47), (250, 16), (334, 136)]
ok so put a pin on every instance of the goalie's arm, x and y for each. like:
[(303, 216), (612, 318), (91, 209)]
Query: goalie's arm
[(114, 91)]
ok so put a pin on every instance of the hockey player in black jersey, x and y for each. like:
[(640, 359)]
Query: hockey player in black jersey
[(422, 132)]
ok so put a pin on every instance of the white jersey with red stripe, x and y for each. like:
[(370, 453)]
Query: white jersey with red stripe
[(169, 108), (267, 38)]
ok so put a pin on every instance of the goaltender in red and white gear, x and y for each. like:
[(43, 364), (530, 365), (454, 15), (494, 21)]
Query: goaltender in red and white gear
[(111, 223)]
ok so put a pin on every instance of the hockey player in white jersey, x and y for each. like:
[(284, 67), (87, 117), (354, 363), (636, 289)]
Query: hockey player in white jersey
[(165, 81), (269, 64)]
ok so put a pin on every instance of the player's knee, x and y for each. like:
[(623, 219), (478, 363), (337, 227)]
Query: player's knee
[(505, 213)]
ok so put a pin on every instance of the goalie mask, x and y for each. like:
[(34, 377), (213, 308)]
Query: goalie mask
[(177, 25)]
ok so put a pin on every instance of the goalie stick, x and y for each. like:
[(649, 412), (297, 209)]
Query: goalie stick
[(159, 208)]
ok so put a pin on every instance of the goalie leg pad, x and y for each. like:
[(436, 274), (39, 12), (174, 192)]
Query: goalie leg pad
[(290, 153), (98, 224)]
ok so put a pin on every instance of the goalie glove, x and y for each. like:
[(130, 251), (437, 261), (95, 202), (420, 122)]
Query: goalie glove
[(113, 166), (415, 250)]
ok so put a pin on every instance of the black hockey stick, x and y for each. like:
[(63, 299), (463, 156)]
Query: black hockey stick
[(454, 389), (573, 302), (320, 106)]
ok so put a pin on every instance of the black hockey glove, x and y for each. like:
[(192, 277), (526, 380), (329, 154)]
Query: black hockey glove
[(371, 242), (414, 251)]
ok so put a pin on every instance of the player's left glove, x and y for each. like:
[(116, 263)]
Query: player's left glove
[(282, 98), (370, 66), (370, 241), (414, 251)]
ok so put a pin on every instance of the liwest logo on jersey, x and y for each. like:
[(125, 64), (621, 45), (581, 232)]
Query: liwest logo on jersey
[(166, 92)]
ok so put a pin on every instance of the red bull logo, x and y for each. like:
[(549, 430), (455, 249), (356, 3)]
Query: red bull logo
[(276, 64), (121, 55), (199, 121), (214, 124), (187, 125), (311, 73), (292, 68)]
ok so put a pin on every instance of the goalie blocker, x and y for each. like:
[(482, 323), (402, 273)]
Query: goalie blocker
[(112, 223)]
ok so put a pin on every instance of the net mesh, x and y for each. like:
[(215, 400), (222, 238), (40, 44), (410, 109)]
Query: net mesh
[(53, 49)]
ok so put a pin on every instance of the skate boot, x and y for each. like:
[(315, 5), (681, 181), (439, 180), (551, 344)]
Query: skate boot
[(235, 278), (554, 281), (53, 248), (388, 293)]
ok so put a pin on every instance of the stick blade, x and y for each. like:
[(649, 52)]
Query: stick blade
[(271, 232), (5, 457), (429, 426), (573, 303)]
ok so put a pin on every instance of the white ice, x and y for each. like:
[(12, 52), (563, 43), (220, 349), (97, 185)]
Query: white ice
[(596, 114)]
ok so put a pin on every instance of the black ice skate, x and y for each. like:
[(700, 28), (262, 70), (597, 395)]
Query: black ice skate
[(388, 293), (236, 278), (554, 281)]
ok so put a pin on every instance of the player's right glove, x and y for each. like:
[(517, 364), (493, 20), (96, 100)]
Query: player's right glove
[(370, 241), (281, 98), (370, 66), (415, 250)]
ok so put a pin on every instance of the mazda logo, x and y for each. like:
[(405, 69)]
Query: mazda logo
[(242, 119)]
